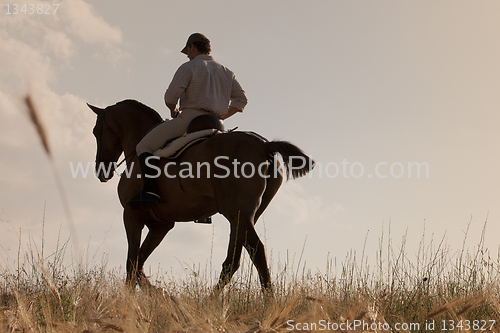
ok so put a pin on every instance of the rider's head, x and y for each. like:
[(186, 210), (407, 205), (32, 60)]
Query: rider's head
[(199, 42)]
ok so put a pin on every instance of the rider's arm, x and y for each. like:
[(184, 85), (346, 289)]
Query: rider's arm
[(230, 111), (178, 85), (238, 97)]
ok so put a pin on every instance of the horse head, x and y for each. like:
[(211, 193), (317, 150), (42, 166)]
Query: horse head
[(109, 147)]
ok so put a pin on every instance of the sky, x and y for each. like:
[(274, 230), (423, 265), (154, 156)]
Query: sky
[(366, 88)]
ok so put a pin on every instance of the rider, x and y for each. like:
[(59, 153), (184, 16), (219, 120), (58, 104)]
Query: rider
[(203, 86)]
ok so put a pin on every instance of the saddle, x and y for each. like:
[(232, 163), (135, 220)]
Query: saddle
[(199, 129)]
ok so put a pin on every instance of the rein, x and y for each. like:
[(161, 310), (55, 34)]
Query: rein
[(99, 135), (126, 159)]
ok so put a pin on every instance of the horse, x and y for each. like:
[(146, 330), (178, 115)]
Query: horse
[(240, 195)]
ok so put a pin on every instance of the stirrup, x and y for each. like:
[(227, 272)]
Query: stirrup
[(144, 199)]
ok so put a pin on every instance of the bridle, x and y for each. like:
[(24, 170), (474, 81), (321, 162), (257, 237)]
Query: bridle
[(126, 158), (99, 137)]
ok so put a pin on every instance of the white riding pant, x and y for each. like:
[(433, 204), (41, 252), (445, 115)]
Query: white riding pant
[(167, 130)]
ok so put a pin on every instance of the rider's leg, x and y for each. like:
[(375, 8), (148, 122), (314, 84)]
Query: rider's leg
[(153, 141), (169, 129), (149, 192)]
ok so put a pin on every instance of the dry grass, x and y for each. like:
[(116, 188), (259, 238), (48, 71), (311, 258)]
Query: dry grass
[(37, 123), (434, 291), (46, 295)]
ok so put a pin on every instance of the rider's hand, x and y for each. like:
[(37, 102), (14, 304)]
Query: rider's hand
[(174, 113), (230, 111)]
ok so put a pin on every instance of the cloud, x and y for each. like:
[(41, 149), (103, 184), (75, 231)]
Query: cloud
[(87, 24), (112, 55), (20, 59), (59, 43), (26, 64), (76, 21), (30, 50), (300, 207)]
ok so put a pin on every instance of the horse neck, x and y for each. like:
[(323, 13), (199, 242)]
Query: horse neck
[(132, 128)]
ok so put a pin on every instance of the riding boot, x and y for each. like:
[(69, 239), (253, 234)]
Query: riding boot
[(149, 194)]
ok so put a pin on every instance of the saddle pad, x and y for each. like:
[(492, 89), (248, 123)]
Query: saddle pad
[(176, 147)]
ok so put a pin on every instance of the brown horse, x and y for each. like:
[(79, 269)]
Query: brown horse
[(214, 176)]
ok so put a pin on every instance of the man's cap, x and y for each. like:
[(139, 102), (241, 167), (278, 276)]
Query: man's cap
[(196, 37)]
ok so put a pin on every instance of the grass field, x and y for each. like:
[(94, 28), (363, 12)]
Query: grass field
[(436, 289), (440, 290)]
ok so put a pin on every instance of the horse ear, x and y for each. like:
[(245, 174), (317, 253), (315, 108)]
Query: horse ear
[(95, 109)]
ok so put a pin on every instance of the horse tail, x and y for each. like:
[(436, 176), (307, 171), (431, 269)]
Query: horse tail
[(296, 163)]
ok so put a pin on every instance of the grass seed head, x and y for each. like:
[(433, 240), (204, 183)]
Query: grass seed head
[(37, 122)]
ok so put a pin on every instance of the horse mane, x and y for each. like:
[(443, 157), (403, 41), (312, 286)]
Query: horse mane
[(138, 105)]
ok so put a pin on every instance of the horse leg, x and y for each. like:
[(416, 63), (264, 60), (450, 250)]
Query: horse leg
[(255, 249), (272, 186), (243, 234), (133, 228), (232, 262), (156, 233), (258, 253)]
